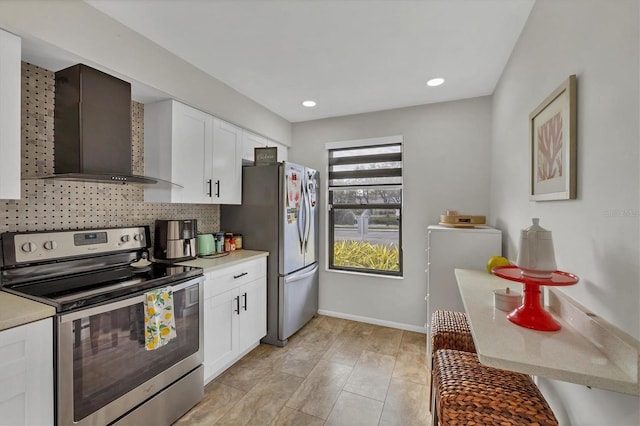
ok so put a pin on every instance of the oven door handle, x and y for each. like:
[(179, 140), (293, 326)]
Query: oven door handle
[(72, 316)]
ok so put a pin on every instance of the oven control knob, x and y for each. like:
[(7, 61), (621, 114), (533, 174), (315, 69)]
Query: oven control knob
[(138, 237), (28, 247), (125, 238), (50, 245)]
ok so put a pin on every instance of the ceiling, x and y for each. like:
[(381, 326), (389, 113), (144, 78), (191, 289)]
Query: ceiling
[(350, 56)]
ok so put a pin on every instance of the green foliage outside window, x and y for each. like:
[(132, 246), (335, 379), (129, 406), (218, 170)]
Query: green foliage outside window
[(365, 255)]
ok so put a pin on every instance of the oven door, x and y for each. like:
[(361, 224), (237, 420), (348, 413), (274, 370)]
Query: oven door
[(103, 368)]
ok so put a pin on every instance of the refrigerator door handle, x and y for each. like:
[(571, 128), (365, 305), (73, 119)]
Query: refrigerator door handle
[(297, 276), (302, 220), (307, 205)]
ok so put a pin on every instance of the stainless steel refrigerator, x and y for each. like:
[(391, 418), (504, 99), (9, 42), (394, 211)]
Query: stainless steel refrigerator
[(279, 214)]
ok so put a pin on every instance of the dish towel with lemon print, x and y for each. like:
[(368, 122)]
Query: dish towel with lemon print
[(159, 324)]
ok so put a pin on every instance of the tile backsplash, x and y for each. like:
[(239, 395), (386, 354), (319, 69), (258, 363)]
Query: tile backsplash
[(62, 205)]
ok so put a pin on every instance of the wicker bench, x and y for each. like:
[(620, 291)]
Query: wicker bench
[(469, 393)]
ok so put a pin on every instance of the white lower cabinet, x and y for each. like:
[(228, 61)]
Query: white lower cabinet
[(235, 314), (26, 374)]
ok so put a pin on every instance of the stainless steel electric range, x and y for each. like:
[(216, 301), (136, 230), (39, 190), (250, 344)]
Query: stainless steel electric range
[(104, 373)]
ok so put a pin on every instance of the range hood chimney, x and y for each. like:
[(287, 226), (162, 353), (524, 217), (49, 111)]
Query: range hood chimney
[(92, 128)]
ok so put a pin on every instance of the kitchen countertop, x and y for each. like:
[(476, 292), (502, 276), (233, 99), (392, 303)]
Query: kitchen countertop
[(233, 258), (587, 350), (16, 310)]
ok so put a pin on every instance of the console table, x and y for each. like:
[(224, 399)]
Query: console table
[(586, 350)]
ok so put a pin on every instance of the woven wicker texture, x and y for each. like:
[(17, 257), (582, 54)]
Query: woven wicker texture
[(450, 330), (469, 393)]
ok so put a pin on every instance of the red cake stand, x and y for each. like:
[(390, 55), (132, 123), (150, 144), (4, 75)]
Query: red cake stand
[(531, 314)]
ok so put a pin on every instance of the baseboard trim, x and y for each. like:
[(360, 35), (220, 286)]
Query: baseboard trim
[(375, 321)]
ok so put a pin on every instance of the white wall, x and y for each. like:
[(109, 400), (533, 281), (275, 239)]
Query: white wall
[(446, 155), (77, 28), (597, 235)]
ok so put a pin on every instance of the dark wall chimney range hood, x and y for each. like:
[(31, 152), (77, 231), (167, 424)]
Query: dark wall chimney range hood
[(92, 128)]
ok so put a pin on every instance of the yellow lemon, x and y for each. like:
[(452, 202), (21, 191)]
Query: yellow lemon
[(167, 315), (496, 261), (165, 331)]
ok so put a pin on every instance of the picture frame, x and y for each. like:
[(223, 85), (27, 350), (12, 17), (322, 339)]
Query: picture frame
[(265, 155), (552, 132)]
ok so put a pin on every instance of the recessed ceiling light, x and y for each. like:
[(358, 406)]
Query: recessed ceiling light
[(435, 82), (309, 104)]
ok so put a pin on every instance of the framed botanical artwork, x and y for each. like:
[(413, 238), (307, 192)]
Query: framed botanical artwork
[(552, 128)]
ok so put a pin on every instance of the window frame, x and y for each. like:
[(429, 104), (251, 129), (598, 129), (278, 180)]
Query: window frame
[(330, 237)]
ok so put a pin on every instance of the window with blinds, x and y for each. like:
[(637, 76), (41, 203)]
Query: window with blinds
[(365, 207)]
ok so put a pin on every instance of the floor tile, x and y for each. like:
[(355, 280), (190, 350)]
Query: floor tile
[(300, 359), (334, 370), (385, 340), (218, 400), (412, 341), (345, 351), (406, 404), (243, 376), (354, 410), (290, 417), (319, 391), (412, 366), (371, 375), (263, 402)]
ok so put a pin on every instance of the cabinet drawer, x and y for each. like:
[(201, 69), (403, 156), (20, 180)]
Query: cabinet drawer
[(228, 278)]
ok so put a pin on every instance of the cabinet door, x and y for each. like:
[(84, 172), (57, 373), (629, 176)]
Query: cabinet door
[(253, 312), (192, 152), (227, 163), (10, 115), (220, 332), (249, 142), (26, 374)]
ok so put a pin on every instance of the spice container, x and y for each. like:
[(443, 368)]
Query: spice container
[(219, 242), (238, 238), (228, 236)]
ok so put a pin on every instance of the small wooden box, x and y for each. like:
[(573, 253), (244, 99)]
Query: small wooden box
[(462, 221)]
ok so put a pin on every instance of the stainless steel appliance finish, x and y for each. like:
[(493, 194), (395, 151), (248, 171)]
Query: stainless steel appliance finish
[(103, 372), (93, 128), (175, 240), (279, 214)]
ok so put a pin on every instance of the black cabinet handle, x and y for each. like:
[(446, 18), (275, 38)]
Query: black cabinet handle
[(218, 188), (209, 183), (235, 277), (237, 309), (245, 301)]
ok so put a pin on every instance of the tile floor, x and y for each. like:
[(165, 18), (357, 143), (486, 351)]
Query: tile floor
[(332, 372)]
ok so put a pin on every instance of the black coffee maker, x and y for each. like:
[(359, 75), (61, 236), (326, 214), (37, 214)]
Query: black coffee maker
[(175, 240)]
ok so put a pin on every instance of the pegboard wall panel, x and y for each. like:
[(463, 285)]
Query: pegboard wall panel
[(61, 205)]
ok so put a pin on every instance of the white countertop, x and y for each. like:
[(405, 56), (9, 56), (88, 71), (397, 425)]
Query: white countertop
[(587, 350), (234, 257), (16, 310)]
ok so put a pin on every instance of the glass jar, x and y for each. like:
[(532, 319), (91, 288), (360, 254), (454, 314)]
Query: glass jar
[(238, 238)]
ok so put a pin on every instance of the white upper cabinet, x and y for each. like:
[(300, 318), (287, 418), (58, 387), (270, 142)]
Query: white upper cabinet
[(251, 141), (227, 163), (193, 149), (10, 56)]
